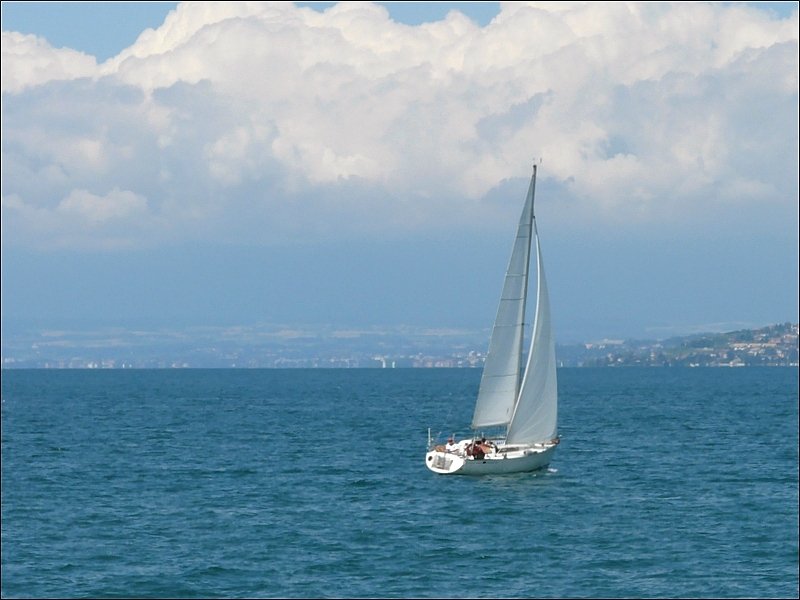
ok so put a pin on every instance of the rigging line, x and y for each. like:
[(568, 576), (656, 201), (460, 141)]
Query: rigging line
[(446, 420)]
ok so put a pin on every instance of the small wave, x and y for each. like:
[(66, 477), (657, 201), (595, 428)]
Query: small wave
[(243, 472), (363, 483)]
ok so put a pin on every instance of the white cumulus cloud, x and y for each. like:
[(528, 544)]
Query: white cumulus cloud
[(29, 61), (94, 209), (261, 120), (117, 219)]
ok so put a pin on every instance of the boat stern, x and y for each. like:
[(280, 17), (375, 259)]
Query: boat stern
[(444, 463)]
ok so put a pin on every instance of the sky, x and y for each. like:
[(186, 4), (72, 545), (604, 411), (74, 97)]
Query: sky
[(364, 164)]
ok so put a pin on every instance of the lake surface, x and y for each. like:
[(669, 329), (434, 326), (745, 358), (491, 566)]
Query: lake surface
[(312, 483)]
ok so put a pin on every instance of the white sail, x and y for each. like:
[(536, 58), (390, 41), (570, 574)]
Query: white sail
[(536, 415), (500, 382)]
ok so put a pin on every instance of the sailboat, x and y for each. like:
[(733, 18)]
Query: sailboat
[(520, 406)]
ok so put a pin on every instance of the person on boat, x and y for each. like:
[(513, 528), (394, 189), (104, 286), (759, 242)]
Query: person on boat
[(477, 451), (451, 445), (487, 447)]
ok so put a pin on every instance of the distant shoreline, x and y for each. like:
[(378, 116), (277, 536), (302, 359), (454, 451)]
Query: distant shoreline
[(773, 346)]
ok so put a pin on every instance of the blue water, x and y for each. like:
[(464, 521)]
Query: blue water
[(311, 483)]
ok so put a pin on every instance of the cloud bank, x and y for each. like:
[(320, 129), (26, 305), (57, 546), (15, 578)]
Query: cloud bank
[(265, 123)]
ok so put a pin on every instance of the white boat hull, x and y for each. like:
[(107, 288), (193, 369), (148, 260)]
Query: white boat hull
[(523, 460)]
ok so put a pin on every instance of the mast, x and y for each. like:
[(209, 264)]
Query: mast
[(533, 232)]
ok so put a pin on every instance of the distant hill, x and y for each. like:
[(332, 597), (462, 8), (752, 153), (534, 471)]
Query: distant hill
[(776, 345)]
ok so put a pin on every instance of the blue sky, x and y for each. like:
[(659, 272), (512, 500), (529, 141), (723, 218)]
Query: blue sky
[(365, 164)]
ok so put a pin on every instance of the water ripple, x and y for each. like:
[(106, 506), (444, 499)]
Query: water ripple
[(312, 484)]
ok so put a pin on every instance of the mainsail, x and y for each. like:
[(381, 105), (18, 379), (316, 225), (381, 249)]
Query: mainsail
[(529, 407), (500, 382)]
